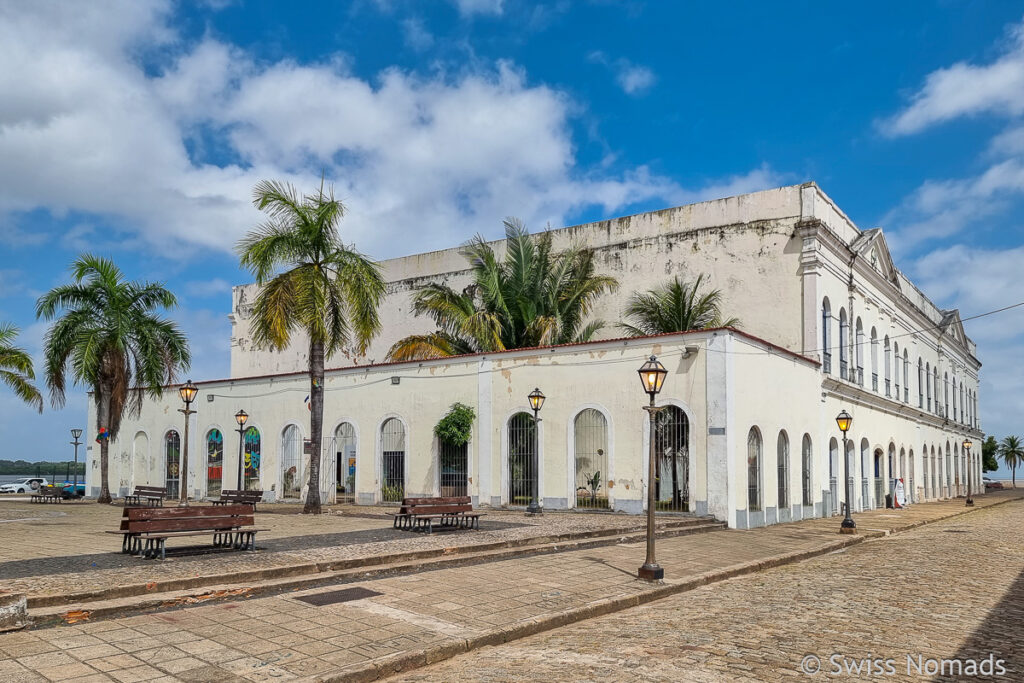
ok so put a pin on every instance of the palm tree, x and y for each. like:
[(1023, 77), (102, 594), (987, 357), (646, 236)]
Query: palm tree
[(1012, 453), (110, 338), (533, 297), (330, 291), (676, 306), (16, 369)]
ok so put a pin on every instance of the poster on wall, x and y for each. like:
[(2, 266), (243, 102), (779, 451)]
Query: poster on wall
[(900, 497)]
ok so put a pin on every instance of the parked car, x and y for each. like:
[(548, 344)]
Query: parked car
[(26, 485), (69, 490), (992, 483)]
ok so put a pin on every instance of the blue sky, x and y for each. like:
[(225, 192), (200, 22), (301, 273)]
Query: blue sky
[(137, 130)]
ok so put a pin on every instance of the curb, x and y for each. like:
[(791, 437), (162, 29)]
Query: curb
[(414, 659)]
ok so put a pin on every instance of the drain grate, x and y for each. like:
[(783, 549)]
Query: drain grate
[(334, 597)]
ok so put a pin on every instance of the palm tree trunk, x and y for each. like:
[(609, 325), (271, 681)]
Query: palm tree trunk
[(102, 420), (316, 425)]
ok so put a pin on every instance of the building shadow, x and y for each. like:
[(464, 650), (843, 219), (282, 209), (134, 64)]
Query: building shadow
[(1000, 635)]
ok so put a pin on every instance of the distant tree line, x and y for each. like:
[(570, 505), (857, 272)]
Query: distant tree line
[(43, 467)]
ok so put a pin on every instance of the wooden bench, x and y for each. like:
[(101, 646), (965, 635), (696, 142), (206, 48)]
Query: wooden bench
[(231, 497), (152, 495), (146, 530), (47, 494), (420, 514)]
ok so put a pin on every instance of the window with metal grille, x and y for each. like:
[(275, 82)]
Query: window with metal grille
[(783, 470), (291, 462), (590, 431), (671, 446), (172, 463), (754, 470), (345, 461), (806, 459), (214, 462), (522, 458), (453, 463), (392, 460)]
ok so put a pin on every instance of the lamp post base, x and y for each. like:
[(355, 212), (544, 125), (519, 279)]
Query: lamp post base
[(848, 527), (969, 503), (533, 508), (183, 503), (651, 572)]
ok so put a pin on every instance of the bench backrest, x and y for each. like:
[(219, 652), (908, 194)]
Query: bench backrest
[(437, 505), (150, 491), (140, 520), (247, 496)]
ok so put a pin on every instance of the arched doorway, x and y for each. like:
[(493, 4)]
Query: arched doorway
[(214, 462), (522, 458), (453, 468), (291, 462), (172, 464), (252, 459), (392, 460), (590, 443), (345, 462), (140, 456), (833, 467), (865, 468), (672, 448), (879, 474)]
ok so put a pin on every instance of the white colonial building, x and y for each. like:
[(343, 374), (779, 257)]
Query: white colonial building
[(749, 434)]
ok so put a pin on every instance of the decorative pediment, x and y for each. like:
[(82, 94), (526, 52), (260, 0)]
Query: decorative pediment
[(953, 326), (871, 246)]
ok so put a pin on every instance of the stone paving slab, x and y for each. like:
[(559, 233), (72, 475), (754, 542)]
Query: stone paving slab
[(953, 590), (419, 618), (51, 551)]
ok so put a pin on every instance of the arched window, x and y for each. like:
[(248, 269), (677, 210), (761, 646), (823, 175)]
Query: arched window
[(671, 445), (754, 500), (928, 384), (954, 397), (897, 371), (826, 335), (860, 352), (392, 460), (172, 463), (806, 459), (844, 341), (522, 458), (833, 467), (214, 462), (906, 377), (962, 402), (291, 462), (874, 360), (920, 383), (945, 395), (888, 365), (935, 385), (345, 461), (783, 470), (590, 437), (252, 459)]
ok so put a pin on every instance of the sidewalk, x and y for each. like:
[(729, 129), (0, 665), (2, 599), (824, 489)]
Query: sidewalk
[(408, 621)]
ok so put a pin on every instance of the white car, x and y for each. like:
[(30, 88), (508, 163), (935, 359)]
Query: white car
[(27, 485)]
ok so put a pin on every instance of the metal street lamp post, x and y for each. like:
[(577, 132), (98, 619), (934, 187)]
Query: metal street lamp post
[(75, 433), (967, 454), (652, 377), (240, 417), (536, 402), (845, 421), (188, 393)]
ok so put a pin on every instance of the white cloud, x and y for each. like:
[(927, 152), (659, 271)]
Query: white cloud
[(634, 79), (207, 288), (416, 34), (469, 8), (433, 159), (967, 89)]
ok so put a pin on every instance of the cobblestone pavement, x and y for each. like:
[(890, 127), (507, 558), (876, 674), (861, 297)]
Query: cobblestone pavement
[(953, 590), (56, 549), (444, 611)]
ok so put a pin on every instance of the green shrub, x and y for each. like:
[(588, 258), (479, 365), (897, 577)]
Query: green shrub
[(457, 426)]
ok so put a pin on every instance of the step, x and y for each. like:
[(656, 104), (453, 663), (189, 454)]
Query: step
[(91, 610)]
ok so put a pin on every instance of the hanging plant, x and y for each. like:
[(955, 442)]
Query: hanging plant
[(457, 426)]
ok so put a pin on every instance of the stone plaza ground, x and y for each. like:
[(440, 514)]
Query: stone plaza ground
[(522, 599)]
